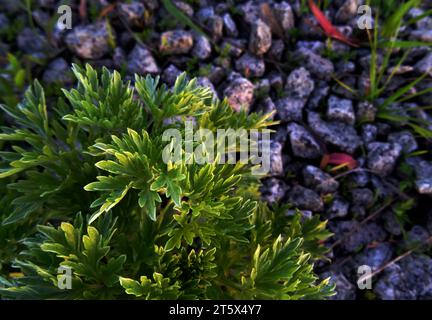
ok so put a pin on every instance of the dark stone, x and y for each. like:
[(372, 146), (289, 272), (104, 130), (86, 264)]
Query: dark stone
[(290, 109), (382, 157), (273, 190), (303, 144), (299, 83), (176, 42), (319, 180), (89, 41), (339, 134), (240, 93), (250, 65), (141, 61), (304, 198)]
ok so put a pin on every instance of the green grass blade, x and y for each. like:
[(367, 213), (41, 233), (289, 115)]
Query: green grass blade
[(393, 23), (402, 44), (394, 97), (181, 17)]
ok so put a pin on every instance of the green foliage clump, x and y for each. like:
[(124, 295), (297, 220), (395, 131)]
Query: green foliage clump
[(84, 188)]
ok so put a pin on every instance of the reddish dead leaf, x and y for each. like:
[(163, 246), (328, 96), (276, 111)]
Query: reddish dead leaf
[(105, 11), (83, 9), (327, 26), (338, 159)]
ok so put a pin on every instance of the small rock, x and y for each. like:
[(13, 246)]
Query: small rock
[(133, 13), (170, 74), (424, 23), (383, 128), (230, 26), (416, 236), (290, 109), (276, 81), (234, 47), (366, 111), (58, 71), (421, 35), (266, 106), (240, 93), (405, 139), (341, 110), (250, 65), (299, 83), (4, 21), (362, 196), (320, 92), (319, 180), (339, 134), (260, 38), (216, 74), (381, 189), (369, 133), (215, 25), (391, 225), (375, 257), (250, 12), (345, 67), (202, 48), (204, 14), (276, 50), (355, 235), (141, 61), (382, 157), (303, 144), (186, 8), (273, 190), (358, 179), (316, 47), (89, 41), (358, 211), (320, 67), (32, 41), (276, 163), (46, 3), (119, 57), (40, 17), (262, 87), (425, 65), (347, 11), (284, 15), (304, 198), (338, 208), (176, 42), (409, 279)]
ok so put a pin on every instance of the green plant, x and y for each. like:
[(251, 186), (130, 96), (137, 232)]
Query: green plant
[(152, 230), (387, 50)]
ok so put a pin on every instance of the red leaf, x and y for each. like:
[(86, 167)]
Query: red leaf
[(327, 26), (83, 9), (105, 11), (339, 159)]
